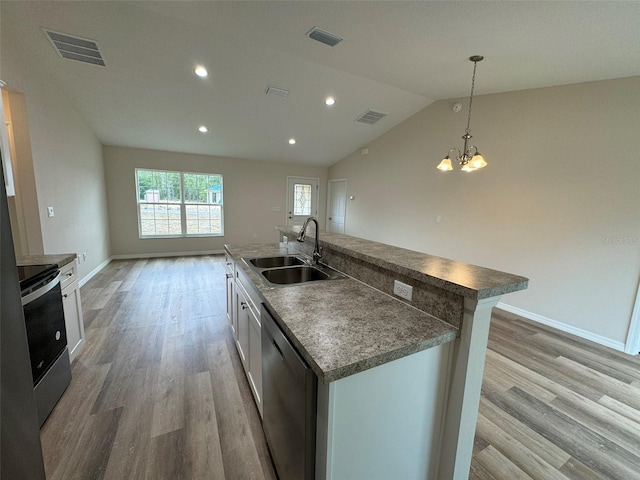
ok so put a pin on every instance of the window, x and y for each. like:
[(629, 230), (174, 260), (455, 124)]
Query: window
[(177, 204), (302, 199)]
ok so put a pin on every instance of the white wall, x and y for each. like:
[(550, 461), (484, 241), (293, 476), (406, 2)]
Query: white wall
[(67, 162), (558, 202), (251, 189)]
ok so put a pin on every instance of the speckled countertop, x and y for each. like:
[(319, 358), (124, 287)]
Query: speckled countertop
[(342, 327), (471, 281), (60, 259)]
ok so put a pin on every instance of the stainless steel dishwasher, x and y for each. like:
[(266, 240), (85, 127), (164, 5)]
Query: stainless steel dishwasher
[(289, 389)]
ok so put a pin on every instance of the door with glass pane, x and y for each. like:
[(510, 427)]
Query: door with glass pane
[(302, 199)]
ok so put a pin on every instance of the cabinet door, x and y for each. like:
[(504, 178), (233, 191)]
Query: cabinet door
[(255, 359), (73, 319), (231, 311), (242, 327)]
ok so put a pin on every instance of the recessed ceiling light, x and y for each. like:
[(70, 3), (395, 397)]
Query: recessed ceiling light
[(329, 101), (201, 71), (292, 141), (203, 129)]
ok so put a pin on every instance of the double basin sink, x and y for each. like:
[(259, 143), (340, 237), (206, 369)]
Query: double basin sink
[(287, 270)]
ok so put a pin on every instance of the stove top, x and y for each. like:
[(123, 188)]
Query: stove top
[(29, 275)]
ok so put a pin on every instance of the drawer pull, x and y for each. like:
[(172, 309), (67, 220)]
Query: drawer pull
[(244, 305), (65, 295), (70, 274), (229, 275)]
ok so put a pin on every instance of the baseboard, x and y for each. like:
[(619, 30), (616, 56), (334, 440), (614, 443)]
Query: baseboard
[(133, 256), (578, 332), (94, 272)]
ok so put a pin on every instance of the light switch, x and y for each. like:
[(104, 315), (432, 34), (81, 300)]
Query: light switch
[(50, 211)]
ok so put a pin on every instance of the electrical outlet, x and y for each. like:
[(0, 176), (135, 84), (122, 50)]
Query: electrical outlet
[(50, 212), (403, 290)]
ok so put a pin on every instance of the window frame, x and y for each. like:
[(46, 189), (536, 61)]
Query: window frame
[(182, 205)]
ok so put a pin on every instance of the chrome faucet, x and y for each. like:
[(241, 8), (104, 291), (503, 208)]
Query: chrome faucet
[(317, 249)]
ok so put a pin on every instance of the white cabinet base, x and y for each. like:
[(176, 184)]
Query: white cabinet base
[(386, 422), (72, 309)]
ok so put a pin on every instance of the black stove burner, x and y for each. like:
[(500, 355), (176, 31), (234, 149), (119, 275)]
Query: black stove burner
[(30, 275)]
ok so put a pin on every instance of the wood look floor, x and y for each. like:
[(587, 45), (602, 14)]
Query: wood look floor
[(159, 392), (555, 407)]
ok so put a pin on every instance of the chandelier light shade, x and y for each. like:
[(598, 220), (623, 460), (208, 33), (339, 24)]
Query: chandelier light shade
[(469, 158)]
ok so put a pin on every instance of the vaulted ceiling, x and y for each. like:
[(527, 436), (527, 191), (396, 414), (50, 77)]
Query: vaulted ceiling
[(396, 57)]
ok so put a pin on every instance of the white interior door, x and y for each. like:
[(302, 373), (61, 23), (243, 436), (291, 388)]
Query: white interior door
[(336, 205), (302, 199)]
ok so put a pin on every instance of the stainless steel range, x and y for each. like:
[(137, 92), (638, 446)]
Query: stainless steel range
[(46, 335)]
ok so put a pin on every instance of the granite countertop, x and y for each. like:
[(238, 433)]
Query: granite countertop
[(342, 327), (57, 259), (471, 281)]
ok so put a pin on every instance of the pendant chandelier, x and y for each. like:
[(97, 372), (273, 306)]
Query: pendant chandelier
[(469, 158)]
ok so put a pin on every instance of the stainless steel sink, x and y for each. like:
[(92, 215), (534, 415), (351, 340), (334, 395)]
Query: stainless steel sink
[(273, 262), (289, 270), (288, 276)]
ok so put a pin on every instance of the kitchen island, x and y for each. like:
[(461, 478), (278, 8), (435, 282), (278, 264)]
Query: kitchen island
[(399, 382)]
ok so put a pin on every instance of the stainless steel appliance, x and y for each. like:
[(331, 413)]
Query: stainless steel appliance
[(289, 391), (46, 335), (20, 448)]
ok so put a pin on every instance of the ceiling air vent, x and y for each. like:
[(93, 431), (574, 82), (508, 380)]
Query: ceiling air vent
[(370, 117), (324, 37), (278, 92), (75, 48)]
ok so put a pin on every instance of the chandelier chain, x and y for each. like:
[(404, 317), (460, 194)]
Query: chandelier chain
[(473, 82)]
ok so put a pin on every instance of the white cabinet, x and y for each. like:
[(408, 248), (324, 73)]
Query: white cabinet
[(72, 308), (248, 332), (231, 296), (242, 331)]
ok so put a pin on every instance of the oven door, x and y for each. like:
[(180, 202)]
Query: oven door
[(44, 318)]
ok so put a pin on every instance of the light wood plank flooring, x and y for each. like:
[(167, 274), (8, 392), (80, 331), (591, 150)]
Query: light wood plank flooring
[(555, 406), (159, 392)]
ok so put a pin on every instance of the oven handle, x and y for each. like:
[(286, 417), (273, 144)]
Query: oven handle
[(41, 291)]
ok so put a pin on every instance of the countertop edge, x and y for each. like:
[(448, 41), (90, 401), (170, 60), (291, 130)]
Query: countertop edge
[(512, 283), (363, 365), (60, 259)]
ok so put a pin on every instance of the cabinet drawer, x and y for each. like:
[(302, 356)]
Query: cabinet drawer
[(243, 283), (68, 274), (229, 263)]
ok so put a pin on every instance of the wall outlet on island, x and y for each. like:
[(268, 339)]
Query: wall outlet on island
[(403, 290)]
